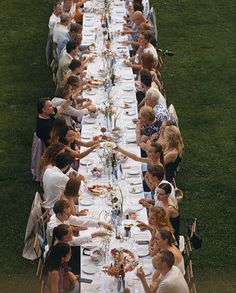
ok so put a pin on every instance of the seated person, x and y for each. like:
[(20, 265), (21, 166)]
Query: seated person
[(163, 195), (160, 138), (168, 279), (46, 116), (55, 179), (144, 47), (62, 215), (157, 220), (173, 152), (153, 178), (56, 274), (71, 195), (71, 111), (67, 137), (48, 159), (164, 241), (154, 155), (146, 125)]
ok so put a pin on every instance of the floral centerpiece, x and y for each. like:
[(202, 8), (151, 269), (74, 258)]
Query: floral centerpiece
[(125, 261)]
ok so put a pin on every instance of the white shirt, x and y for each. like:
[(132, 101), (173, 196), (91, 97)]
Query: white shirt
[(53, 20), (73, 221), (54, 183), (171, 196), (59, 32), (172, 282), (64, 62)]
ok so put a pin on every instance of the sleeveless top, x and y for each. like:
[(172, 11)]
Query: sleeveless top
[(171, 168), (175, 222)]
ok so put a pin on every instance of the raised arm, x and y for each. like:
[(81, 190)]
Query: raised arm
[(131, 155)]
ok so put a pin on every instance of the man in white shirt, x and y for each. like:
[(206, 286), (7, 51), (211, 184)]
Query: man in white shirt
[(53, 20), (171, 279), (62, 216), (72, 50), (153, 178), (61, 30), (55, 17), (55, 179)]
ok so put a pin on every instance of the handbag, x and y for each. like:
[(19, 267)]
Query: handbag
[(195, 238)]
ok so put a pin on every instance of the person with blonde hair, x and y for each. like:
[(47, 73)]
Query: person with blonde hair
[(173, 152), (157, 219)]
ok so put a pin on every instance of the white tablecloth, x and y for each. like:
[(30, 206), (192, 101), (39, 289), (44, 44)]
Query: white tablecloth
[(92, 33)]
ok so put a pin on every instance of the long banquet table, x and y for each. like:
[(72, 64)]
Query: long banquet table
[(131, 180)]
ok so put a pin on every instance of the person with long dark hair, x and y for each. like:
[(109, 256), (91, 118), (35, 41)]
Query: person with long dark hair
[(56, 274)]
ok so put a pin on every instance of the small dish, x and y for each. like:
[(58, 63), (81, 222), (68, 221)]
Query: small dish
[(86, 162), (130, 113), (133, 172), (131, 140), (142, 251), (90, 270), (136, 190), (89, 245), (131, 126), (128, 88), (85, 202)]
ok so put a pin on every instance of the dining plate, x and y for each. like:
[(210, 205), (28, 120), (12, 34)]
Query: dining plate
[(136, 190), (87, 34), (89, 120), (108, 144), (87, 162), (131, 126), (133, 172), (136, 207), (148, 270), (129, 223), (131, 140), (130, 113), (91, 93), (89, 245), (85, 202), (128, 88), (134, 182), (142, 251), (128, 77), (90, 270)]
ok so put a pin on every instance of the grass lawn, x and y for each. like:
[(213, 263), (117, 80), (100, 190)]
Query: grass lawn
[(200, 82)]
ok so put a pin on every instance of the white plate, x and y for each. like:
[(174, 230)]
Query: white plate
[(108, 144), (136, 207), (135, 190), (128, 88), (90, 270), (148, 270), (128, 77), (131, 140), (85, 136), (131, 126), (86, 162), (89, 245), (119, 20), (129, 222), (142, 251), (88, 24), (125, 106), (135, 182), (130, 113), (89, 120), (91, 93), (133, 172), (85, 202), (87, 34)]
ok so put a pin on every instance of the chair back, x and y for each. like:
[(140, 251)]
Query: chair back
[(38, 148), (173, 115), (153, 19)]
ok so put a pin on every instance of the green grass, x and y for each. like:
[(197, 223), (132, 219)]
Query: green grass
[(200, 82)]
